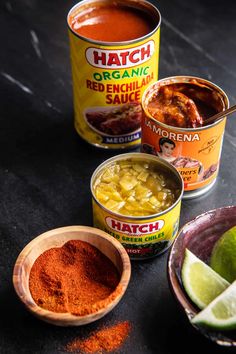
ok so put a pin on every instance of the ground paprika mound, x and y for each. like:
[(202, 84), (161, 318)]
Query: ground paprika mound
[(106, 339), (75, 278)]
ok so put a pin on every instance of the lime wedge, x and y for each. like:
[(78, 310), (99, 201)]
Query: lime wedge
[(221, 312), (201, 283), (223, 257)]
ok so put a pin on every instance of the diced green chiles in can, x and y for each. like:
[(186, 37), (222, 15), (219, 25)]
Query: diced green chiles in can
[(135, 188)]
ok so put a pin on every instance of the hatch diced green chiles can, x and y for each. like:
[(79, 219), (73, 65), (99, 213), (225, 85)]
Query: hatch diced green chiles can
[(144, 233)]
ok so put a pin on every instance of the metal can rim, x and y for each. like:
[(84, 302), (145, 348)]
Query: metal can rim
[(146, 156), (179, 80), (122, 43)]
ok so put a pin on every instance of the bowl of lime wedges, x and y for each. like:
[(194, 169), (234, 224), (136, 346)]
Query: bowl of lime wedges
[(202, 273)]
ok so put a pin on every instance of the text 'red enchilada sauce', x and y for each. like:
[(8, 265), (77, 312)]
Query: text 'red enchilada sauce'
[(112, 23), (173, 128), (114, 53)]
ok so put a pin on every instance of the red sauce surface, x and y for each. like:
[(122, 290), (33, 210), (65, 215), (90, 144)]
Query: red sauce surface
[(112, 23)]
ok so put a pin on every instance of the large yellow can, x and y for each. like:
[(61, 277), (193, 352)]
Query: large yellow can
[(109, 77), (143, 231)]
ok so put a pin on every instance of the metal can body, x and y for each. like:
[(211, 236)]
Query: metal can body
[(109, 80), (142, 236), (196, 153)]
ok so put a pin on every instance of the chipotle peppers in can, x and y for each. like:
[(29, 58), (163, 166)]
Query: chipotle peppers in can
[(114, 54), (173, 128), (137, 199)]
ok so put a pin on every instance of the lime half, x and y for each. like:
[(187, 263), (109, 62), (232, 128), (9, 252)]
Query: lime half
[(201, 283), (223, 257), (221, 312)]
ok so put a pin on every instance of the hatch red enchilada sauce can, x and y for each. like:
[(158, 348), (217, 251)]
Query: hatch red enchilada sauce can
[(114, 55), (173, 128)]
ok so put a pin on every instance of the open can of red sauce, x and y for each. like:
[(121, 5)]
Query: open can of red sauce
[(173, 128), (114, 54), (137, 200)]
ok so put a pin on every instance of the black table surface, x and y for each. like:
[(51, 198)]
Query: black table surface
[(45, 168)]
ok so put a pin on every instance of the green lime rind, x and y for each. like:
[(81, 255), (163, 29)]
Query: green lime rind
[(220, 313), (223, 256), (201, 283)]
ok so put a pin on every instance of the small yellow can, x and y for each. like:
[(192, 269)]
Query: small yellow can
[(137, 200), (114, 55)]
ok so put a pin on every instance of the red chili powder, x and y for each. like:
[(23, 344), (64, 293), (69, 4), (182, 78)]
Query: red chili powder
[(75, 278), (106, 339)]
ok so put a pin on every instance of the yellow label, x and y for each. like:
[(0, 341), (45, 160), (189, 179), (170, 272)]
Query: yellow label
[(195, 154), (108, 83), (142, 238)]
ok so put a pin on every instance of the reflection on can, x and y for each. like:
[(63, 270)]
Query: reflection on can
[(178, 134), (137, 200)]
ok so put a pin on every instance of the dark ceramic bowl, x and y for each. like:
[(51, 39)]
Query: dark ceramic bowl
[(199, 236)]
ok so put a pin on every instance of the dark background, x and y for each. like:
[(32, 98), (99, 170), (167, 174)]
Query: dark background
[(45, 168)]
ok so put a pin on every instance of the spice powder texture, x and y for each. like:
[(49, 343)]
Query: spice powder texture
[(75, 278), (106, 339)]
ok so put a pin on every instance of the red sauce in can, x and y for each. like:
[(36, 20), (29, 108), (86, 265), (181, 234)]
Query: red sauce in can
[(112, 22)]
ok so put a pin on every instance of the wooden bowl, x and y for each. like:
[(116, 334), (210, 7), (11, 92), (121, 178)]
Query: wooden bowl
[(199, 236), (108, 245)]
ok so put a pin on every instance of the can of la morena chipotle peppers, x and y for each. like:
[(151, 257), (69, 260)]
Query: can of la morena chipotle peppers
[(194, 151), (114, 55), (136, 199)]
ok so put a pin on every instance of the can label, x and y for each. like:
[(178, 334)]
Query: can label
[(195, 154), (108, 83), (142, 238)]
